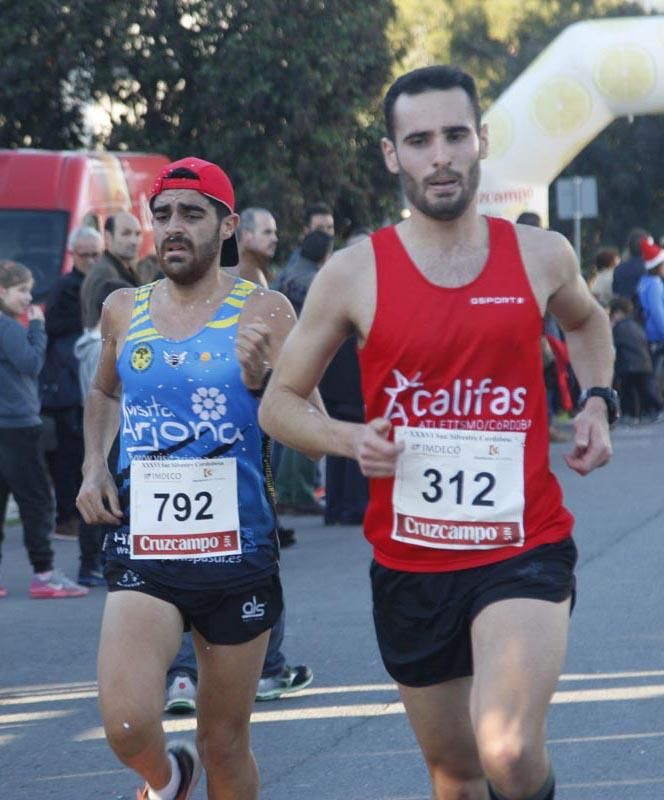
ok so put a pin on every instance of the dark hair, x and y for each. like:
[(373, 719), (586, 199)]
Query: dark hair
[(530, 218), (426, 79), (634, 241), (105, 289), (621, 304), (316, 245), (605, 257), (314, 209), (109, 225), (360, 230), (183, 172)]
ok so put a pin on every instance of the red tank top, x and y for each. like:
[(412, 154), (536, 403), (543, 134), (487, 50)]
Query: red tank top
[(459, 374)]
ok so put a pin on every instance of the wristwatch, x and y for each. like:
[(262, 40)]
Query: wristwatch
[(610, 397)]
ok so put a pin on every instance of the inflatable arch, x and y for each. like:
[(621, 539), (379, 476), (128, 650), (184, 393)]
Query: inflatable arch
[(592, 73)]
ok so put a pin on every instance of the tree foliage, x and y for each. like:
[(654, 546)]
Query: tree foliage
[(284, 94), (496, 40)]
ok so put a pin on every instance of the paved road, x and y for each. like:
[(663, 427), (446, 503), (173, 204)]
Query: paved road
[(347, 737)]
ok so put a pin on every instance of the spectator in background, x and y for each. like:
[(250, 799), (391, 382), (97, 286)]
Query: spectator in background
[(627, 274), (122, 239), (650, 292), (295, 478), (318, 217), (59, 384), (529, 218), (23, 470), (87, 350), (639, 395), (346, 489), (605, 262), (554, 356), (257, 243)]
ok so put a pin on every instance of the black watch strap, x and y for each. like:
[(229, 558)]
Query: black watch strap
[(610, 397)]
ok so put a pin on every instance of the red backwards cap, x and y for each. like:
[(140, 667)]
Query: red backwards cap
[(210, 181)]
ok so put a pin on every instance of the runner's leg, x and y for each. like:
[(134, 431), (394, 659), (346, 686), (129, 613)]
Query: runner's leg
[(140, 636), (227, 680), (518, 652), (440, 717)]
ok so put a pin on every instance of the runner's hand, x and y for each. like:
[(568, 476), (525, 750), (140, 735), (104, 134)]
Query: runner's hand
[(98, 499), (592, 443), (376, 455), (252, 348)]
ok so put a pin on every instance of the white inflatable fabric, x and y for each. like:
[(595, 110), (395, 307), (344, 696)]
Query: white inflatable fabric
[(592, 73)]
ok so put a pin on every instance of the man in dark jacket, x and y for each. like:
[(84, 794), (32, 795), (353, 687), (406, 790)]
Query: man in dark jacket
[(296, 473), (58, 383), (627, 274), (122, 240)]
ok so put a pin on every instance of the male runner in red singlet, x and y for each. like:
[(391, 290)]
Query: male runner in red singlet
[(473, 571)]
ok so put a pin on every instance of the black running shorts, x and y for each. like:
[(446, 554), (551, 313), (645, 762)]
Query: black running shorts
[(423, 619), (222, 617)]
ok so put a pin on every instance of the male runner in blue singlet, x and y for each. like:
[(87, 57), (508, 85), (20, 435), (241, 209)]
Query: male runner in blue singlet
[(194, 542)]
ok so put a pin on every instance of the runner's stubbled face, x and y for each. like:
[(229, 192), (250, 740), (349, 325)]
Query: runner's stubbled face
[(436, 151), (187, 234)]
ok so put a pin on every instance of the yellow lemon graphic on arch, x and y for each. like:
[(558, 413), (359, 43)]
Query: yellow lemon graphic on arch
[(625, 72), (560, 105), (501, 131)]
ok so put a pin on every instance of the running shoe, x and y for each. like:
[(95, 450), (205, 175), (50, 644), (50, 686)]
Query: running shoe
[(286, 536), (190, 771), (91, 577), (55, 587), (180, 695), (290, 679)]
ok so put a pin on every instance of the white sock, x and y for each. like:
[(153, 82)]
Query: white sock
[(170, 790)]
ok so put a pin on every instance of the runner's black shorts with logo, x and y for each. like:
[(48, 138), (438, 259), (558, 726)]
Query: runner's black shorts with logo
[(231, 616), (423, 619)]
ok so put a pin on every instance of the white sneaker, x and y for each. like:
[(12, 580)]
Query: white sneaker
[(180, 695)]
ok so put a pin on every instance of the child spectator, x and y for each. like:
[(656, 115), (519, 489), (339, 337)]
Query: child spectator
[(635, 379), (22, 464)]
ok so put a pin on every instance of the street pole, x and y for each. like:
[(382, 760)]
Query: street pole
[(577, 216)]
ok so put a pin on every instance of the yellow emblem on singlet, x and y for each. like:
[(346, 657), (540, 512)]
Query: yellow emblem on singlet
[(141, 357)]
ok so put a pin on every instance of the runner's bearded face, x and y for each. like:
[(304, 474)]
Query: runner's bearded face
[(438, 152), (187, 234)]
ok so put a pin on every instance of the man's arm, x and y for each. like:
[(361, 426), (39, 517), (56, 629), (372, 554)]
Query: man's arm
[(98, 497), (590, 344), (329, 316)]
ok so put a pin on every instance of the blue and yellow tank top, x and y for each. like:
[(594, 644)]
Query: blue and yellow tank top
[(186, 400)]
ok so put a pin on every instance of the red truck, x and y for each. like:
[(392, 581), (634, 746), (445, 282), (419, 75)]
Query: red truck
[(45, 194)]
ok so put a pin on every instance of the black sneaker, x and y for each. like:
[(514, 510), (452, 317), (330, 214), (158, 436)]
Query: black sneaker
[(190, 770), (286, 537), (290, 679)]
